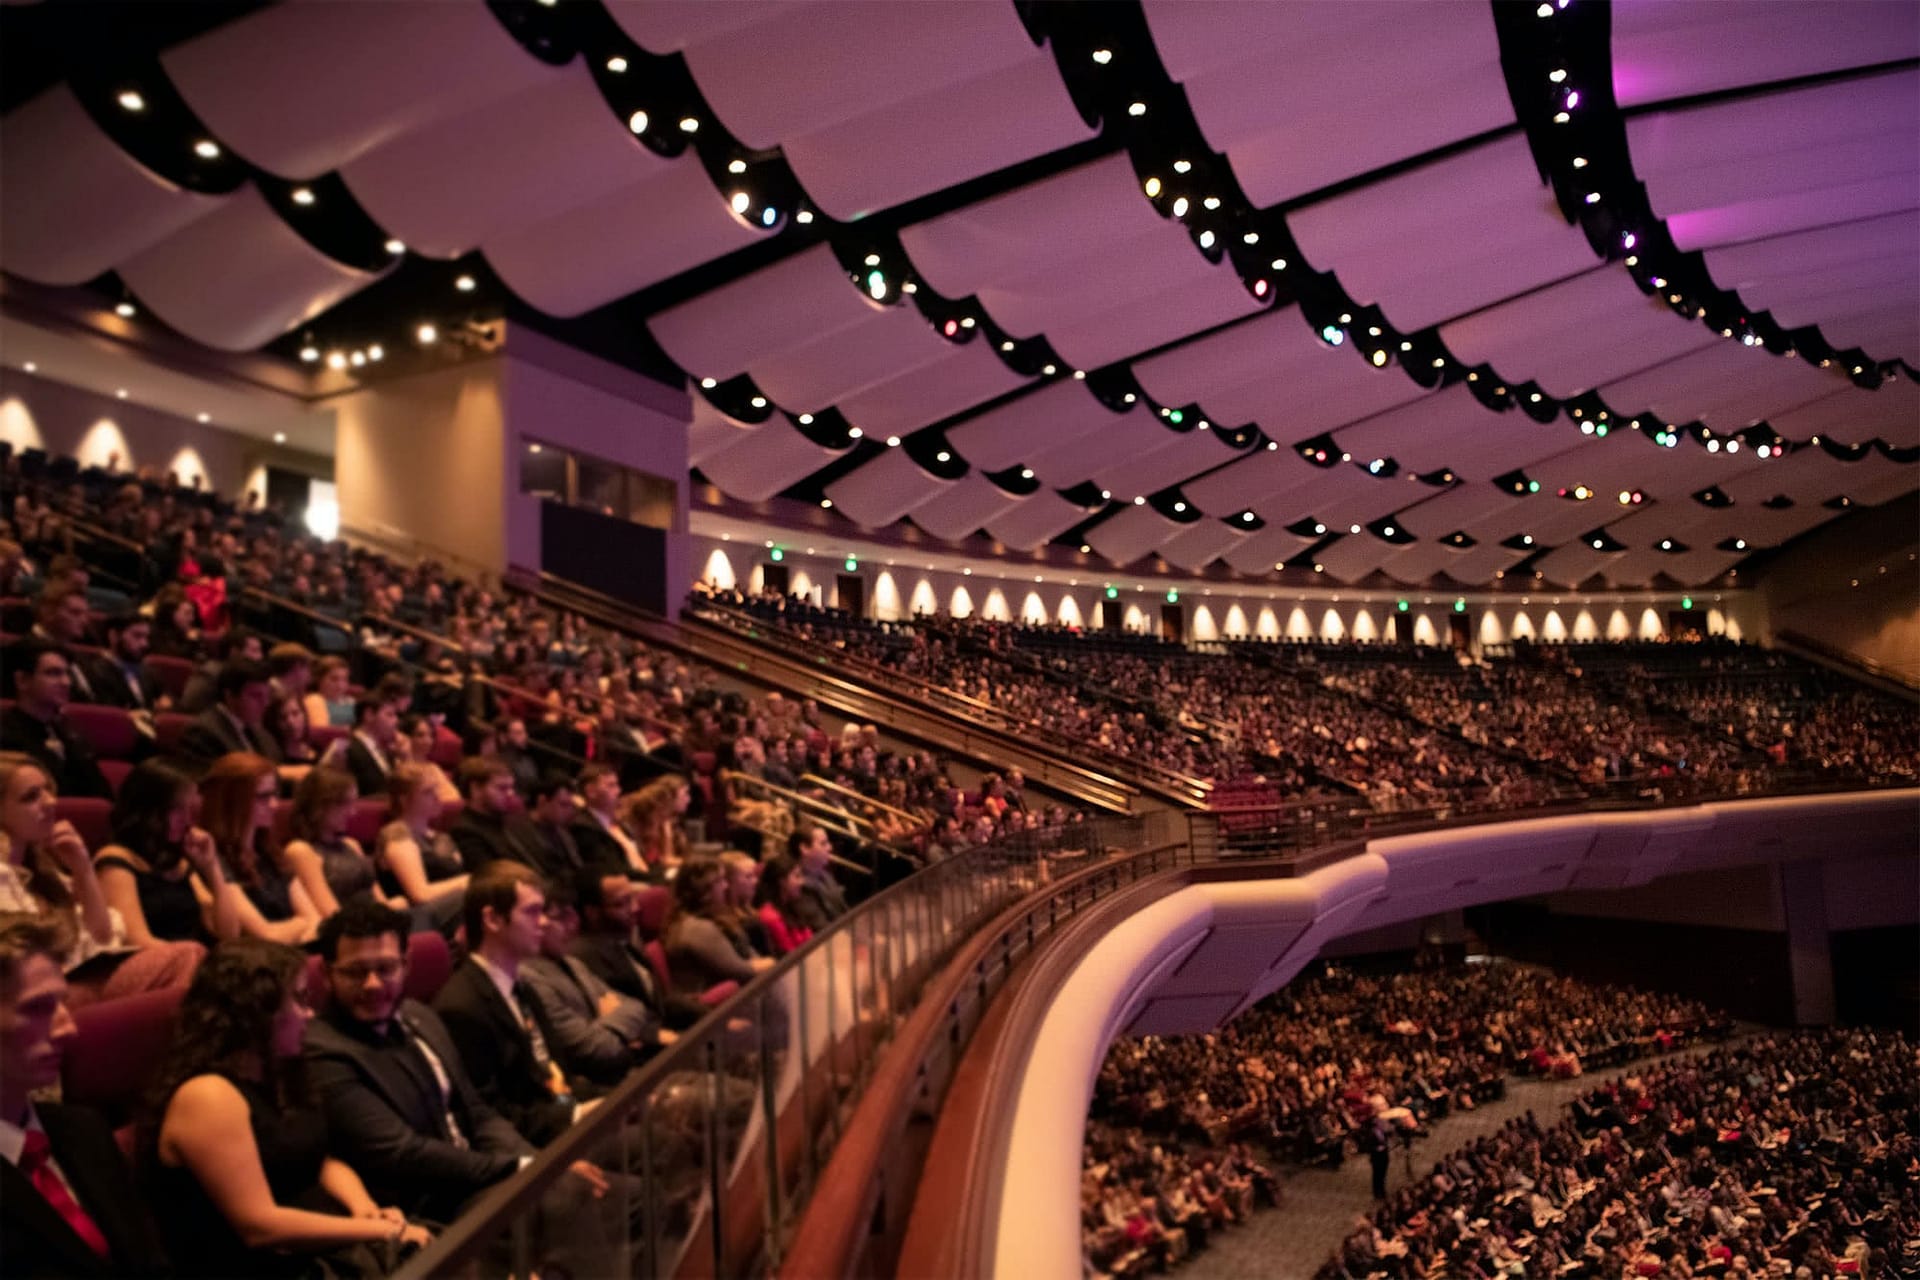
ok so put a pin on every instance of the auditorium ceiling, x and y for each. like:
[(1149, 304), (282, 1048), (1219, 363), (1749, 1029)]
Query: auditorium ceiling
[(1620, 293)]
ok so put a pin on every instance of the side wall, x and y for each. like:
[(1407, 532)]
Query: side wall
[(1855, 586)]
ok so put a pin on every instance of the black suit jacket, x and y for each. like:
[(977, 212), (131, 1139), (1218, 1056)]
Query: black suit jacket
[(368, 776), (62, 753), (111, 687), (35, 1241), (483, 838), (498, 1051), (214, 733), (624, 969), (598, 849), (385, 1114)]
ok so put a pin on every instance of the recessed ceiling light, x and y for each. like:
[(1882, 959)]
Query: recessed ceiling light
[(120, 393), (303, 195), (207, 149), (30, 366), (638, 122), (396, 247), (130, 100), (426, 335), (279, 437), (125, 309), (616, 64), (205, 417), (466, 284)]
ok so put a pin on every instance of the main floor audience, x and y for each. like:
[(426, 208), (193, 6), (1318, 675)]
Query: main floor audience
[(1336, 1063)]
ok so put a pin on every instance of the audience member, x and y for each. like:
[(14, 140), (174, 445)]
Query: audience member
[(236, 723), (237, 797), (42, 684), (161, 872), (490, 828), (594, 1032)]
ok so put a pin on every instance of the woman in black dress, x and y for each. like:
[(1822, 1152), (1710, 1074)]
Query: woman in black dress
[(237, 1152), (159, 870)]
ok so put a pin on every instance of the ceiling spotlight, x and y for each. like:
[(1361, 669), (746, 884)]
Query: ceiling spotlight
[(1103, 56), (1050, 370), (303, 195), (358, 359), (1139, 501), (1180, 207), (426, 335), (30, 367), (1106, 495), (465, 284), (638, 122), (617, 65), (893, 442), (708, 384), (1739, 544), (1026, 473), (376, 352), (396, 247), (758, 402), (1557, 74), (1319, 528), (1179, 507), (279, 437), (1211, 202), (1206, 239), (120, 393), (203, 417), (1579, 162), (207, 149), (124, 309), (1278, 264), (806, 420), (689, 124), (737, 166), (804, 217), (130, 100), (1136, 109), (1152, 187), (943, 456), (826, 504), (741, 201)]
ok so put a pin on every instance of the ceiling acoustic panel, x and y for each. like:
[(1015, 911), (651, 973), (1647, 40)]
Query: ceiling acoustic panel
[(450, 186), (1130, 533), (712, 431), (1034, 520), (963, 377), (1666, 49), (1728, 387), (1852, 416), (74, 204), (1273, 85), (1042, 421), (879, 492), (1452, 430), (1200, 544), (963, 508), (1264, 551), (1573, 563), (819, 371), (1446, 238), (769, 460), (1181, 457), (720, 333), (305, 87), (589, 255), (239, 277), (1420, 561)]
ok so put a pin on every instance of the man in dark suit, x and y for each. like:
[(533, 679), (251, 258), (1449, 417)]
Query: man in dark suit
[(552, 810), (117, 677), (603, 840), (400, 1106), (609, 909), (42, 683), (487, 829), (376, 726), (61, 616), (822, 900), (68, 1206), (237, 722), (595, 1033), (488, 1013)]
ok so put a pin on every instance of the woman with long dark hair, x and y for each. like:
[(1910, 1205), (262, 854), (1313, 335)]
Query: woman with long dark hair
[(777, 897), (699, 951), (236, 807), (327, 862), (160, 870), (237, 1151)]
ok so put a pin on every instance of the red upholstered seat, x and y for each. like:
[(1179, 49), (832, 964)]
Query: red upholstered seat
[(718, 992), (705, 762), (323, 736), (653, 905), (365, 820), (168, 726), (172, 673), (656, 954), (115, 772), (446, 749), (90, 817), (429, 964), (448, 812), (116, 1045), (110, 731)]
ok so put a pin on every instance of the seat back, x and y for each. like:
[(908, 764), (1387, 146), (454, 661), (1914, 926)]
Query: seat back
[(168, 728), (365, 820), (110, 731), (115, 1047), (90, 817), (654, 903), (429, 965), (656, 955), (115, 772), (171, 673)]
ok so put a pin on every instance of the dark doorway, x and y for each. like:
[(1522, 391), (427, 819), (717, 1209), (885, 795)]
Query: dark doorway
[(1173, 623), (852, 590), (1460, 631), (1686, 624), (773, 577)]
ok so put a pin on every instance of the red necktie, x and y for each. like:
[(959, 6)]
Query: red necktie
[(35, 1163)]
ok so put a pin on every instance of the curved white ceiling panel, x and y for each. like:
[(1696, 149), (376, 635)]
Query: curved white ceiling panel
[(1152, 322), (1054, 415), (1852, 416), (943, 137), (1082, 213), (766, 461), (1420, 561), (881, 491), (669, 26), (1155, 469), (1481, 563), (963, 508), (1073, 460), (1352, 557), (595, 252), (712, 431), (1573, 563), (882, 344), (721, 332), (74, 204), (1233, 488), (239, 277), (1433, 432), (1678, 48), (1200, 544), (965, 376), (1445, 238), (1033, 520), (300, 92), (1571, 336), (1273, 85), (1130, 533), (1083, 285), (858, 58), (1265, 550), (512, 163), (1727, 386)]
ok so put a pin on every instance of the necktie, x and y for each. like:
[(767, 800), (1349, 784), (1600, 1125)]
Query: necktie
[(35, 1162)]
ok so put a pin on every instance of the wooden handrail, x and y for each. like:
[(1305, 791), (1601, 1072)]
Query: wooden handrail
[(769, 792), (815, 779)]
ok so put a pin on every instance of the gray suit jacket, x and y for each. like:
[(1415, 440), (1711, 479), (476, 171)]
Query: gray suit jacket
[(566, 1000)]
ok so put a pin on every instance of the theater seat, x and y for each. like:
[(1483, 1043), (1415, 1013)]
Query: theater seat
[(654, 902), (171, 673), (365, 820), (168, 727), (110, 731), (446, 749), (448, 813), (323, 736), (656, 953), (429, 965), (719, 992), (115, 772), (90, 817), (116, 1046)]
